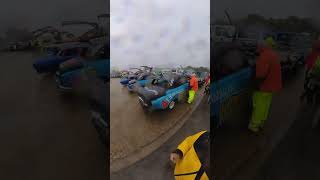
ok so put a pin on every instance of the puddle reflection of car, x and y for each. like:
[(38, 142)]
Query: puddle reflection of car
[(50, 63), (72, 72), (163, 93)]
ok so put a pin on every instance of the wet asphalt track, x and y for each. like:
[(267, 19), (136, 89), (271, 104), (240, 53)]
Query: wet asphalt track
[(298, 155), (156, 166), (131, 128), (43, 134)]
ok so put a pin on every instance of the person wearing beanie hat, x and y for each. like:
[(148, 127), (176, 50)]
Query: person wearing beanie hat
[(269, 81)]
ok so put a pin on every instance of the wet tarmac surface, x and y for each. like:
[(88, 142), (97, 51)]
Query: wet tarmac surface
[(156, 166), (239, 154), (131, 127), (297, 156), (44, 134)]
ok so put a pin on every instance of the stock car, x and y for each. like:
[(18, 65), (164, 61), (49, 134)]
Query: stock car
[(163, 93), (135, 74), (132, 75), (142, 80), (73, 71), (222, 90), (50, 63)]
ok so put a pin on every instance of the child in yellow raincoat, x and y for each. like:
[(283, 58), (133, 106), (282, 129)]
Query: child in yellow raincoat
[(192, 158)]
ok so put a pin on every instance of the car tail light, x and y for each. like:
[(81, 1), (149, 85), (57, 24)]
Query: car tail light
[(164, 104)]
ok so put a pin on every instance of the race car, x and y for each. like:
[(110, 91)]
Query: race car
[(50, 63), (163, 93), (142, 80), (74, 71), (132, 74)]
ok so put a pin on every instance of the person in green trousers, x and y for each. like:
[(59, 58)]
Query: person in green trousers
[(268, 77)]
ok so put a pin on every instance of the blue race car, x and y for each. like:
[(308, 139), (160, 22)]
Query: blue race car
[(72, 72), (142, 80), (50, 63), (224, 89), (163, 93), (133, 74)]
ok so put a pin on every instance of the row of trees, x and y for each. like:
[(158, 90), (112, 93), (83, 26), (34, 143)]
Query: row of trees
[(198, 69), (291, 23)]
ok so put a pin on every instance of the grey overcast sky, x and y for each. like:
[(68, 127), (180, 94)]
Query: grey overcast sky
[(268, 8), (160, 32), (38, 13)]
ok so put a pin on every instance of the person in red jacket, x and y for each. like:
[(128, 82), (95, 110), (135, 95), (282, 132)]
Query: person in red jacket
[(269, 80), (310, 63)]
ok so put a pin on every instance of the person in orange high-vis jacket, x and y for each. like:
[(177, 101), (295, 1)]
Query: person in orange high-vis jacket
[(193, 88), (268, 77), (192, 158)]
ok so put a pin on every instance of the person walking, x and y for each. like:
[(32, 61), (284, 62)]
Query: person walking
[(193, 88), (192, 158), (269, 81)]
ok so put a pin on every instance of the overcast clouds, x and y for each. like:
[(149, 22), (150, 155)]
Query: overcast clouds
[(158, 32)]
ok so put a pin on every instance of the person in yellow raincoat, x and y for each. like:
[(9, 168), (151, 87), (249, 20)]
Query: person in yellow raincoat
[(192, 158)]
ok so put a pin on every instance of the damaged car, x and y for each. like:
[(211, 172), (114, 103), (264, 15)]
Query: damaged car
[(163, 93)]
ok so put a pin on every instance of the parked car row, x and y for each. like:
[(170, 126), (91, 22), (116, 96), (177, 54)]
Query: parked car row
[(159, 91), (82, 65)]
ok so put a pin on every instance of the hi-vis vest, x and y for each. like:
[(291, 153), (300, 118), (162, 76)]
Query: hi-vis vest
[(188, 167)]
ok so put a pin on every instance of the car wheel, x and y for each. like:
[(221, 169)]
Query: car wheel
[(171, 105)]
